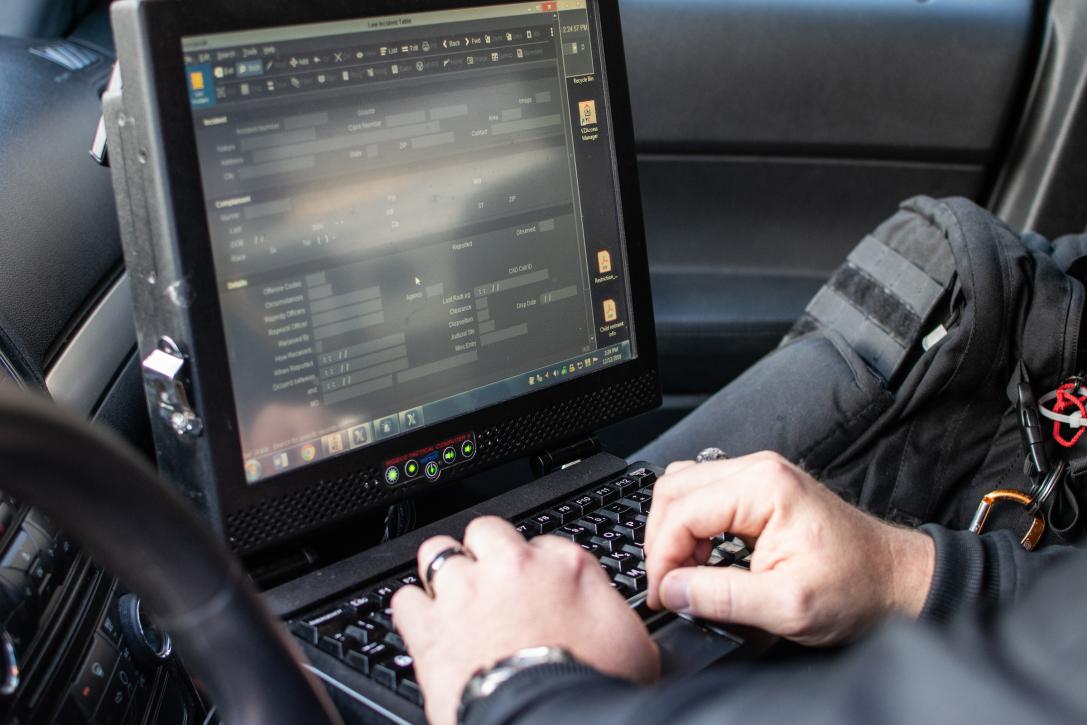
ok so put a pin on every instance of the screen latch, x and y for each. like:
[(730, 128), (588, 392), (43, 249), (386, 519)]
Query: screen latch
[(163, 371)]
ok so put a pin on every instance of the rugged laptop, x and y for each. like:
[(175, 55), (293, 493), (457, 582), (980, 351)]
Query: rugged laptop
[(375, 248)]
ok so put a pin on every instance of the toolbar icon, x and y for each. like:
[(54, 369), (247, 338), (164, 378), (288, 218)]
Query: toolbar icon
[(281, 461), (603, 261), (252, 470), (309, 452), (333, 443), (386, 427), (411, 419), (359, 435), (587, 112), (426, 47)]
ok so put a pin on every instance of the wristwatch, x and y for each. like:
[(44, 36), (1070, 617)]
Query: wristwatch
[(488, 679)]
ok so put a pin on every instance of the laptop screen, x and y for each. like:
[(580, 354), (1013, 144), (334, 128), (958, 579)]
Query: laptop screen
[(412, 217)]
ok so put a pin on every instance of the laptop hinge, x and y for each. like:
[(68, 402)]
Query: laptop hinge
[(564, 456)]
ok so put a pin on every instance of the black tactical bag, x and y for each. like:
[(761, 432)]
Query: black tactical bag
[(900, 386)]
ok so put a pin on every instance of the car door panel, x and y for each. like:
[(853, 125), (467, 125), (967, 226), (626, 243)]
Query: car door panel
[(773, 134)]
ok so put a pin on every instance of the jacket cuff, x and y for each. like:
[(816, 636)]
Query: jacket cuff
[(532, 687), (958, 579)]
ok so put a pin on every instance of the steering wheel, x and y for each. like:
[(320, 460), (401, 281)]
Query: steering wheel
[(102, 492)]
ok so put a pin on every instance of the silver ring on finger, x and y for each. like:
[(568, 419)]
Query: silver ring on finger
[(710, 454), (438, 562)]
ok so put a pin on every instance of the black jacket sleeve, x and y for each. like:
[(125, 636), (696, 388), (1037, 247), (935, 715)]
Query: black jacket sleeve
[(1003, 638)]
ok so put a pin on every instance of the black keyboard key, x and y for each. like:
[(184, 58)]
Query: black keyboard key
[(620, 561), (525, 530), (362, 605), (595, 523), (573, 532), (305, 631), (582, 504), (631, 529), (644, 476), (394, 639), (365, 632), (626, 485), (410, 580), (390, 671), (409, 688), (565, 513), (592, 548), (633, 578), (383, 595), (333, 645), (367, 657), (382, 618), (603, 495), (321, 625), (615, 511), (637, 501), (608, 540), (623, 589), (543, 523), (636, 548)]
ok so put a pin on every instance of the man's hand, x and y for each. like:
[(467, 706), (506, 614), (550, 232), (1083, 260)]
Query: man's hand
[(821, 570), (516, 594)]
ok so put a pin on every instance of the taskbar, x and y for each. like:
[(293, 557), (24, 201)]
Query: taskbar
[(360, 434)]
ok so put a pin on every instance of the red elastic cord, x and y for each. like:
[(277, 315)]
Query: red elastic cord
[(1066, 398)]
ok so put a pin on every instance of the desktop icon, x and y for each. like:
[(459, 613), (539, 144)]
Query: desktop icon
[(610, 311), (196, 80), (587, 112), (603, 261), (309, 452)]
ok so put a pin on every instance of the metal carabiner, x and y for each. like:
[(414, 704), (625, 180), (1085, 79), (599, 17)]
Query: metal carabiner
[(1037, 526)]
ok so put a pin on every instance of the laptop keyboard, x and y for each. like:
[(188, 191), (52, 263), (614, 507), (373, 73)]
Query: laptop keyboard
[(607, 520)]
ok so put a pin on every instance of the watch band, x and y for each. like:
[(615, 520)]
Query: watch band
[(488, 679)]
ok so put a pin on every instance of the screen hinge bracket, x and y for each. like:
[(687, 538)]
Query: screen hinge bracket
[(564, 456), (164, 373)]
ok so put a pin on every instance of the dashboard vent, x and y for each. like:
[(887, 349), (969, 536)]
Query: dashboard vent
[(67, 55)]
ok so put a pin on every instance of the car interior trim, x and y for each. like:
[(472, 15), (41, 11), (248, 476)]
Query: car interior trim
[(85, 367)]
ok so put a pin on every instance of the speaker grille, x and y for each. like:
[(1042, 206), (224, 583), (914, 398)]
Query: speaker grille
[(326, 501)]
